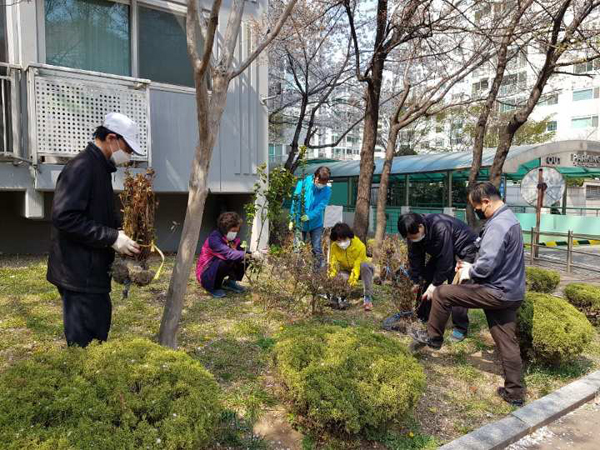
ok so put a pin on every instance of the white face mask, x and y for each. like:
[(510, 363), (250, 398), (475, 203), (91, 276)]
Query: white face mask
[(344, 244), (320, 186), (120, 157), (231, 235)]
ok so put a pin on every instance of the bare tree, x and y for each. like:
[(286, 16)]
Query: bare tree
[(508, 36), (569, 38), (311, 61), (209, 113), (409, 20), (450, 54)]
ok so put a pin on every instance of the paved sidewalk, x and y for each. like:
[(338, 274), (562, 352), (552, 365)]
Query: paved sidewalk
[(579, 430)]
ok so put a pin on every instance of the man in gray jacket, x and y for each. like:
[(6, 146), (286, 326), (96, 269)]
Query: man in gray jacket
[(496, 284)]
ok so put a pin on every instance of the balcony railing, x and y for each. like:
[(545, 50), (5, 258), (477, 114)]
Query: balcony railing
[(66, 105)]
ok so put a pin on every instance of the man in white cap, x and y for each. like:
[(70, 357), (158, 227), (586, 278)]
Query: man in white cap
[(85, 230)]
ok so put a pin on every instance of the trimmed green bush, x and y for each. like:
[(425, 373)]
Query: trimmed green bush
[(347, 380), (586, 298), (551, 330), (118, 395), (541, 280)]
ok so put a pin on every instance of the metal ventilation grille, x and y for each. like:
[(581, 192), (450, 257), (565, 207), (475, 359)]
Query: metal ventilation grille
[(69, 111)]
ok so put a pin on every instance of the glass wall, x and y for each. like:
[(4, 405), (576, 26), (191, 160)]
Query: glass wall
[(88, 34)]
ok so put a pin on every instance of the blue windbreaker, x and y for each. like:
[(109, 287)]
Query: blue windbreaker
[(315, 202)]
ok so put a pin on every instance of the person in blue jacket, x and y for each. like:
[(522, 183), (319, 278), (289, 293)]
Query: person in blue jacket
[(310, 199)]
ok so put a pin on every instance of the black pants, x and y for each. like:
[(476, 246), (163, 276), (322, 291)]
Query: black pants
[(212, 278), (85, 316)]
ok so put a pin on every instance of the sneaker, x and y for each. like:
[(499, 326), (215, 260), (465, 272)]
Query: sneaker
[(421, 337), (217, 293), (518, 402), (368, 303), (233, 286), (457, 336)]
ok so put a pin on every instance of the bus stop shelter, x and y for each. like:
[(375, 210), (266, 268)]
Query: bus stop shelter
[(437, 182)]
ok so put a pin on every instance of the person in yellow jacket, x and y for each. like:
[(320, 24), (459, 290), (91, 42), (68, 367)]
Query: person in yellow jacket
[(348, 259)]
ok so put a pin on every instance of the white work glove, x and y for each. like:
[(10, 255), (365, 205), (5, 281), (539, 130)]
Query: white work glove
[(259, 254), (464, 269), (125, 245), (429, 292), (291, 226)]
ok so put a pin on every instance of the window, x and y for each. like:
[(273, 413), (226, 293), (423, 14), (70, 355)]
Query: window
[(481, 85), (586, 94), (584, 122), (439, 129), (586, 66), (439, 143), (506, 107), (513, 83), (551, 126), (89, 35), (162, 47), (592, 192), (549, 100)]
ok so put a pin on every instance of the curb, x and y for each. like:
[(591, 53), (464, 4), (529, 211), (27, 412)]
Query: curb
[(529, 418)]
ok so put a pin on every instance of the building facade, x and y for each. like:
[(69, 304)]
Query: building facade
[(66, 63)]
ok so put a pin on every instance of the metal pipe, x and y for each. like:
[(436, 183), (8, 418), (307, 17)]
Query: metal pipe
[(570, 252)]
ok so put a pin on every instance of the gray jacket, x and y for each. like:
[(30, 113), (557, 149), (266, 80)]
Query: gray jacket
[(501, 261)]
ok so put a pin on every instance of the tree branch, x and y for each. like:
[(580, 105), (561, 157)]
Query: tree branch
[(269, 38)]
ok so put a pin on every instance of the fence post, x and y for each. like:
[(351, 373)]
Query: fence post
[(569, 251), (532, 245)]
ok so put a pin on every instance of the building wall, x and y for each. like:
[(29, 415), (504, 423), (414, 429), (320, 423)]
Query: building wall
[(26, 236), (241, 145)]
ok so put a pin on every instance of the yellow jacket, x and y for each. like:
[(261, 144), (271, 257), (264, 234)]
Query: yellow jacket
[(348, 260)]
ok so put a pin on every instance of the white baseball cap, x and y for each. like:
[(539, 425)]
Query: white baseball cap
[(123, 126)]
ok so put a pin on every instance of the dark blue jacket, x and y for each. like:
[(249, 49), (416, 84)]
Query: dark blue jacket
[(445, 238), (501, 261)]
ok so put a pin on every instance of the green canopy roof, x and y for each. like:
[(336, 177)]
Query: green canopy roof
[(433, 166)]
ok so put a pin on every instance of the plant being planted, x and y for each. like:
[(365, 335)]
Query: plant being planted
[(139, 208)]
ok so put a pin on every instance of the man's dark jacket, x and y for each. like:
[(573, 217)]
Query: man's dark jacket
[(445, 238), (84, 224)]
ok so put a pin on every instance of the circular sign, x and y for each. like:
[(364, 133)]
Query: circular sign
[(552, 178)]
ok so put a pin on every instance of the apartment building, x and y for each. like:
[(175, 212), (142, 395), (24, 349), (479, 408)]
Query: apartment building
[(66, 63)]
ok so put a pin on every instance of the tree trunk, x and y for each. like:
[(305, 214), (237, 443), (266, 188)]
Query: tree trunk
[(383, 188), (367, 152), (290, 163), (198, 192)]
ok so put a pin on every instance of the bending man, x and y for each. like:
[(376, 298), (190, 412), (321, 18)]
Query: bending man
[(445, 239)]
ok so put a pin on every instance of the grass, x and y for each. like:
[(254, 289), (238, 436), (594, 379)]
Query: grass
[(234, 338)]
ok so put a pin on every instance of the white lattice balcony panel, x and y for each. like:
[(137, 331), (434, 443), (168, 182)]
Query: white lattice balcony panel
[(67, 105)]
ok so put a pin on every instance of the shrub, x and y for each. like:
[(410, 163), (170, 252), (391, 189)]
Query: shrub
[(551, 330), (586, 298), (286, 279), (347, 379), (541, 280), (124, 395), (393, 267)]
